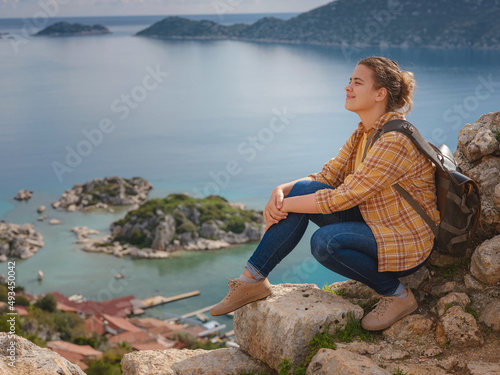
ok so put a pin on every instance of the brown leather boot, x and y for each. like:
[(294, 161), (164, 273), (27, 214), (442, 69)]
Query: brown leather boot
[(388, 311), (240, 294)]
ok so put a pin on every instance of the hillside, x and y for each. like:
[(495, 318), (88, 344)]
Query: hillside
[(72, 29), (405, 23)]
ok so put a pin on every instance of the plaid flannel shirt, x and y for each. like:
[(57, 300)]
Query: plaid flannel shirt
[(403, 238)]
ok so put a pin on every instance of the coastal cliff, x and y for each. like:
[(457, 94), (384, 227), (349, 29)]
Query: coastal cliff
[(72, 29), (360, 23)]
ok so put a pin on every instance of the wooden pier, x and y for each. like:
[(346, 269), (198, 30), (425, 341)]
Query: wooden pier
[(160, 300), (200, 311)]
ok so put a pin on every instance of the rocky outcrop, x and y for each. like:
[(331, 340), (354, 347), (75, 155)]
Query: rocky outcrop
[(23, 195), (485, 262), (19, 241), (294, 314), (99, 193), (72, 29), (191, 362), (478, 155), (27, 358)]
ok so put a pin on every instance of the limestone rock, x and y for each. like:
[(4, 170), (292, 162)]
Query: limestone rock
[(477, 140), (483, 368), (414, 280), (487, 175), (485, 262), (471, 283), (491, 315), (409, 326), (164, 233), (55, 222), (23, 195), (294, 313), (446, 288), (452, 299), (158, 362), (341, 361), (460, 328), (40, 209), (190, 362), (31, 359), (478, 156)]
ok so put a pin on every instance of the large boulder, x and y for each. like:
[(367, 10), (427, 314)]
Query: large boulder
[(477, 154), (190, 362), (491, 315), (23, 195), (485, 262), (460, 328), (285, 322), (28, 359)]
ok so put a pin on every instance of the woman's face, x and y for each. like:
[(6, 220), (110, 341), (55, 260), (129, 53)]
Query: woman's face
[(361, 94)]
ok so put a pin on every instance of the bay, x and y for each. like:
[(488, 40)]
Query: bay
[(274, 110)]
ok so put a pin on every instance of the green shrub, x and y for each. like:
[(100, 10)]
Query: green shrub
[(235, 224), (22, 301), (47, 303), (99, 367)]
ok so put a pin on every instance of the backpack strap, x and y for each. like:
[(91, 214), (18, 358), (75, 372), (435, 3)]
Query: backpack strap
[(405, 127)]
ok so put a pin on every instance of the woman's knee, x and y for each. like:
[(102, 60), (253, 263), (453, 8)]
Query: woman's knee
[(319, 246), (307, 187)]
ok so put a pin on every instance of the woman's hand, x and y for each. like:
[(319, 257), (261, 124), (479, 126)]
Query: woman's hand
[(272, 211)]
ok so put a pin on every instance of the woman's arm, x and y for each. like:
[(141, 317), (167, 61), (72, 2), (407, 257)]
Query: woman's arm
[(305, 204), (273, 212)]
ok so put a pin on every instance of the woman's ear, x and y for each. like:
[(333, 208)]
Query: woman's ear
[(381, 94)]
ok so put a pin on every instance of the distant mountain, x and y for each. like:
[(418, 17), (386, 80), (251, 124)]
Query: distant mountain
[(402, 23), (70, 29)]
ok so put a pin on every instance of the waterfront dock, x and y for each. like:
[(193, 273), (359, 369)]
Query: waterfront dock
[(160, 300)]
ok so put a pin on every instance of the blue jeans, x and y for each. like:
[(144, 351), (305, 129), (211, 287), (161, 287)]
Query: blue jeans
[(344, 244)]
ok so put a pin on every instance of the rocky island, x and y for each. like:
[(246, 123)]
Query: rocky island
[(359, 23), (72, 29), (99, 193), (177, 222), (20, 241)]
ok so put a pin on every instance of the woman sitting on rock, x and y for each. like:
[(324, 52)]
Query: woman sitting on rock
[(368, 232)]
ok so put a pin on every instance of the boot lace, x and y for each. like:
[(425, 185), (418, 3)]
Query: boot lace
[(233, 285), (382, 305)]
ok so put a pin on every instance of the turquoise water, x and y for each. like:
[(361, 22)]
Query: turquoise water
[(232, 118)]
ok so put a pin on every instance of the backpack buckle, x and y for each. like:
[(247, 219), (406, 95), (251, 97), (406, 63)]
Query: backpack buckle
[(409, 127)]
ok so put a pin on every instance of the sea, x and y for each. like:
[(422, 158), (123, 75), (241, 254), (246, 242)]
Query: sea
[(226, 117)]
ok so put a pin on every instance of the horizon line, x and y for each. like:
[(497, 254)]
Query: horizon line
[(155, 15)]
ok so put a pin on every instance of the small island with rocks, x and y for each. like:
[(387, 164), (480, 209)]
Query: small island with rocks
[(20, 241), (72, 29), (177, 222), (101, 193)]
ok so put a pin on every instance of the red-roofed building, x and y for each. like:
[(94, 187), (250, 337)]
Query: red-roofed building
[(21, 310), (118, 307), (74, 353), (95, 324), (64, 307), (84, 350), (130, 337), (116, 325)]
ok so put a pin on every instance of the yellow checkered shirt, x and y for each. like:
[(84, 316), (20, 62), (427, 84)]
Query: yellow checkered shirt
[(403, 238)]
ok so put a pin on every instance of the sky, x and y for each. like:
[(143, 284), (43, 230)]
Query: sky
[(78, 8)]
